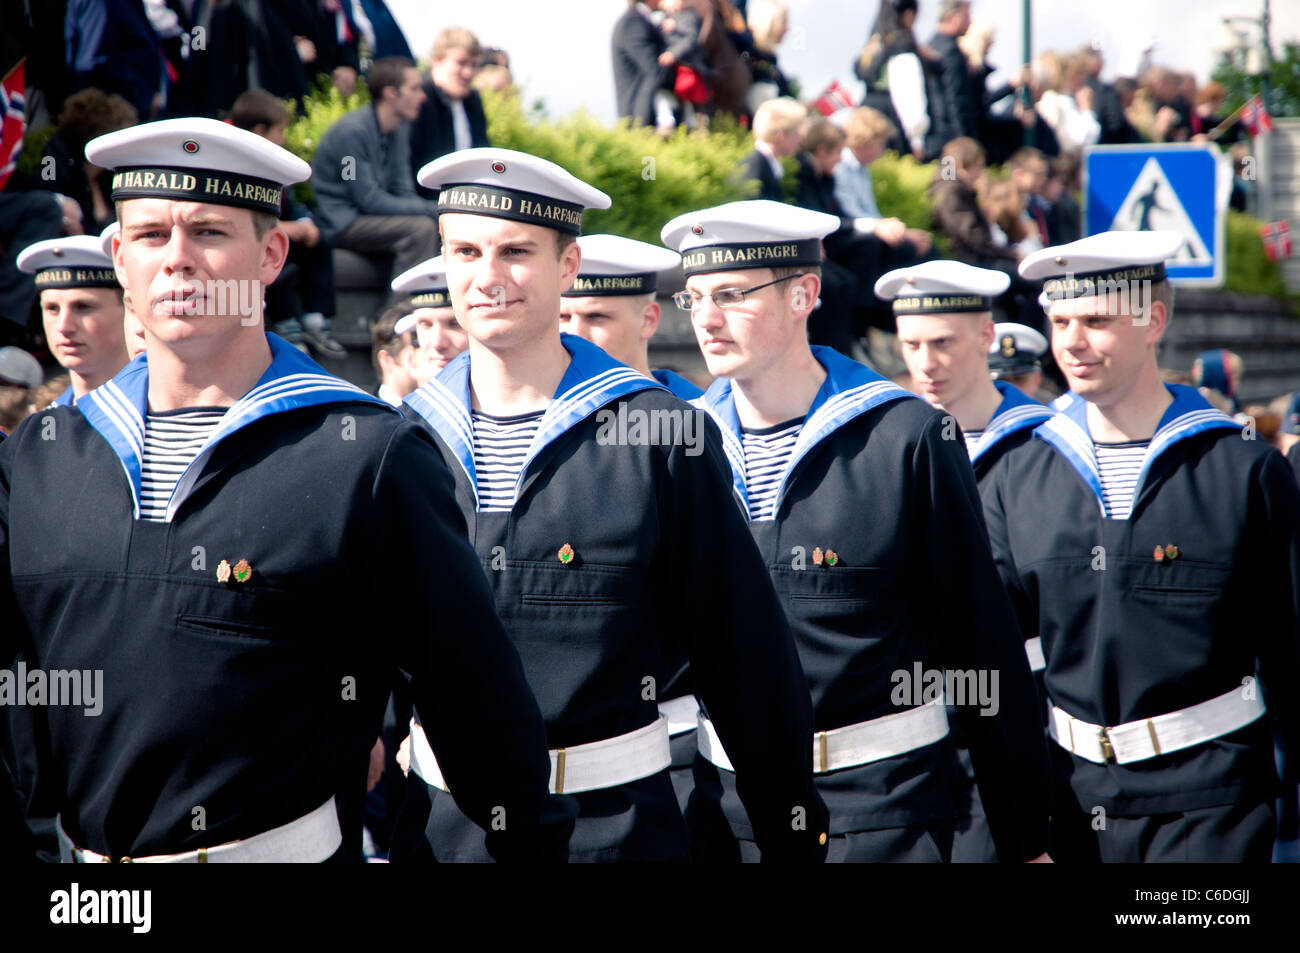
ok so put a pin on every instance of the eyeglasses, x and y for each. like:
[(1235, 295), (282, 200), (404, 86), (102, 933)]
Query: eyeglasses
[(723, 298)]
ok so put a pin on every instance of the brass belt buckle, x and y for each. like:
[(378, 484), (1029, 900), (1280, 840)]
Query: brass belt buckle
[(559, 771), (821, 752), (1107, 749)]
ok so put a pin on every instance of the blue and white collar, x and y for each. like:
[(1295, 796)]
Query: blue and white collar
[(850, 390), (679, 385), (1017, 412), (592, 380), (66, 399), (1188, 415), (118, 408)]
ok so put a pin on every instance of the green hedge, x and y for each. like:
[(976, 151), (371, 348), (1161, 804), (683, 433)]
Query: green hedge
[(648, 179), (1248, 267)]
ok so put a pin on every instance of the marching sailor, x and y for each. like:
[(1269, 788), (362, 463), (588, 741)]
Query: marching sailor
[(1152, 544), (867, 516)]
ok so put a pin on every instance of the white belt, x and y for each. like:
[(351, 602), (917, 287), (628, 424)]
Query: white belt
[(310, 839), (853, 745), (1139, 740), (590, 767), (1034, 652), (682, 714)]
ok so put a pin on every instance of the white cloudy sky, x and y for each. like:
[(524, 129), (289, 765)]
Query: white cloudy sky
[(560, 49)]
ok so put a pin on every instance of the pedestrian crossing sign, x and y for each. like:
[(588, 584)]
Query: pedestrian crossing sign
[(1178, 186)]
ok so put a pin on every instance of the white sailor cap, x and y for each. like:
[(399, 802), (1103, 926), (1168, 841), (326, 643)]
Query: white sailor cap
[(106, 238), (197, 160), (1016, 349), (77, 261), (941, 287), (426, 284), (613, 265), (404, 324), (503, 183), (1094, 264), (19, 369), (753, 234)]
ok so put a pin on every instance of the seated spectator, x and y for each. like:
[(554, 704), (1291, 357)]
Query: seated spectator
[(112, 46), (300, 302), (86, 114), (20, 374), (1004, 209), (1027, 170), (891, 68), (636, 44), (392, 356), (362, 173), (1064, 217), (865, 133), (777, 126), (768, 21), (451, 117)]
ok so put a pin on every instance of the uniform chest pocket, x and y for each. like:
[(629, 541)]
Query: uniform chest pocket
[(208, 627), (588, 585), (261, 618), (840, 590)]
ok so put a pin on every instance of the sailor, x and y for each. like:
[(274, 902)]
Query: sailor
[(439, 336), (599, 504), (1016, 356), (943, 311), (866, 513), (192, 544), (612, 304), (1152, 544), (81, 309)]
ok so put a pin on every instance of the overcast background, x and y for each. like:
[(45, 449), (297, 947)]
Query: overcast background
[(560, 49)]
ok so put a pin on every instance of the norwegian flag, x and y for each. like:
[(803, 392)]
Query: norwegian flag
[(835, 98), (13, 119), (1277, 240), (1255, 117)]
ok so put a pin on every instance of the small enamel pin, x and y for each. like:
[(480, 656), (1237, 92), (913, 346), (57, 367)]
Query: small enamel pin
[(566, 554), (243, 571), (831, 557), (818, 556), (1165, 554), (223, 571)]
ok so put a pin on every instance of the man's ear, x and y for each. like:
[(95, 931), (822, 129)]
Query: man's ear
[(650, 315), (803, 295), (570, 265), (1157, 320), (275, 252), (986, 334)]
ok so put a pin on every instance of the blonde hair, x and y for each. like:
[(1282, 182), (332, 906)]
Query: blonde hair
[(866, 126), (767, 22), (455, 38), (776, 116)]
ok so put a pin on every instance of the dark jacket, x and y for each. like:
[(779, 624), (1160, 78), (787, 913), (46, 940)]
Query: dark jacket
[(662, 561), (357, 170), (636, 46), (432, 133), (755, 167), (916, 589), (957, 214), (256, 700), (1128, 636), (953, 101)]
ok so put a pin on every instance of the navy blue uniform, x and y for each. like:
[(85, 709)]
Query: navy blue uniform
[(257, 700), (662, 559), (1128, 635), (874, 478)]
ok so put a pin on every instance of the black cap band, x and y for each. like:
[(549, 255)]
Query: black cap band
[(600, 285), (198, 185), (76, 276), (513, 204), (431, 299), (1091, 283), (941, 304), (739, 256)]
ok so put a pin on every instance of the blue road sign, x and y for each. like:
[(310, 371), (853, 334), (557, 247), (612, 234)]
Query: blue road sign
[(1152, 187)]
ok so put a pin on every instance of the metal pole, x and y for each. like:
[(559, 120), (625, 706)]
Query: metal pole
[(1026, 99)]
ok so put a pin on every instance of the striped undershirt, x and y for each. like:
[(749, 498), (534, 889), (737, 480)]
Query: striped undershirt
[(500, 445), (972, 440), (767, 451), (172, 439), (1120, 464)]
